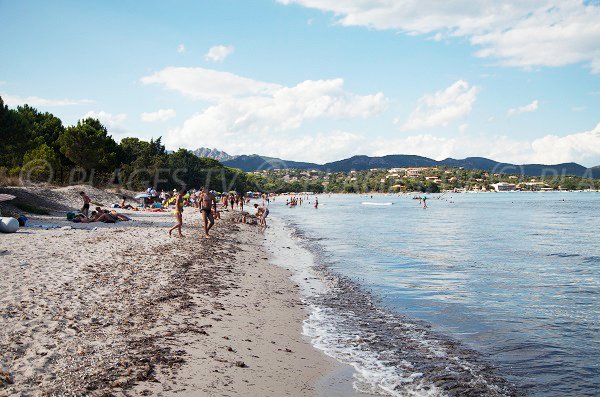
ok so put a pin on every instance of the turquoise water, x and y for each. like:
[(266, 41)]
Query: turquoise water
[(514, 276)]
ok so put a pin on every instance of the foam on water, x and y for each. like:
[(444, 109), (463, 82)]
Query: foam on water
[(391, 354)]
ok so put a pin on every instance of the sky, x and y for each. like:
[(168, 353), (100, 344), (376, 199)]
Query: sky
[(317, 80)]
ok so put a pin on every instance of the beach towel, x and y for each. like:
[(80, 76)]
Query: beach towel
[(45, 227)]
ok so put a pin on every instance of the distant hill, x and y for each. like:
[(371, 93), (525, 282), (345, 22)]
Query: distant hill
[(480, 163), (213, 154), (255, 162), (362, 163)]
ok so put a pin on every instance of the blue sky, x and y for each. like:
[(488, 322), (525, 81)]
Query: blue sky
[(315, 80)]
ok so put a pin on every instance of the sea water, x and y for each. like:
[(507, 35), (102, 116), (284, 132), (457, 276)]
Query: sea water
[(478, 294)]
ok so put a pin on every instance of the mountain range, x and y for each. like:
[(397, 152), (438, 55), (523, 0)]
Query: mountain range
[(256, 162)]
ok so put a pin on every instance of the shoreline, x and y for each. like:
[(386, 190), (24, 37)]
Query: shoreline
[(124, 309)]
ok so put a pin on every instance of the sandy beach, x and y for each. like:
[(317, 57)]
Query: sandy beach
[(122, 309)]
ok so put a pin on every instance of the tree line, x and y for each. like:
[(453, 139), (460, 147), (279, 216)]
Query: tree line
[(37, 147)]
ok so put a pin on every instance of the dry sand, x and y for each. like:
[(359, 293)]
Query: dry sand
[(126, 310)]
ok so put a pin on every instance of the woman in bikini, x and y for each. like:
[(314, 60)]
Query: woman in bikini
[(178, 214)]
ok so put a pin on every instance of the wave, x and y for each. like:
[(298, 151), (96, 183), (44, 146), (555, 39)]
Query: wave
[(390, 353)]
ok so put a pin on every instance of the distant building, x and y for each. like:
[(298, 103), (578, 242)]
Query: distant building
[(413, 172), (504, 187)]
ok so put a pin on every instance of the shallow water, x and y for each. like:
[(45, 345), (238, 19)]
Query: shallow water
[(511, 280)]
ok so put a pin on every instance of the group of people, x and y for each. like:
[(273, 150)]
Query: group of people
[(234, 200), (294, 201), (99, 215), (206, 202)]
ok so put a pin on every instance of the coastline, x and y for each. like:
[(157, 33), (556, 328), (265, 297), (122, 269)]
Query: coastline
[(124, 309)]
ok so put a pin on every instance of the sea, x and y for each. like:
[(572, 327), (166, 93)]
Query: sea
[(481, 294)]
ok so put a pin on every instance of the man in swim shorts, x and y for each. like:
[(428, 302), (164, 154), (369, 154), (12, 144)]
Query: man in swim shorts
[(86, 203), (207, 202)]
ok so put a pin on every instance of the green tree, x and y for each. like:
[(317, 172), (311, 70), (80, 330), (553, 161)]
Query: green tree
[(14, 137), (40, 164), (45, 128), (89, 146)]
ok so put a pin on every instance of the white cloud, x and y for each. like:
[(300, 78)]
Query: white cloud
[(319, 148), (243, 107), (442, 107), (579, 147), (525, 33), (37, 101), (181, 49), (208, 84), (112, 122), (218, 53), (159, 115), (531, 107)]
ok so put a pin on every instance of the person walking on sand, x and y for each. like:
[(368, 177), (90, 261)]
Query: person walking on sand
[(178, 214), (86, 203), (207, 202)]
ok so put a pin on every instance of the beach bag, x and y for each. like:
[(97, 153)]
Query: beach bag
[(70, 216), (22, 220)]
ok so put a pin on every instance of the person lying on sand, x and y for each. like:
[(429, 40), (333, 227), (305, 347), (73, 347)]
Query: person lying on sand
[(80, 218), (104, 218), (124, 205), (112, 214)]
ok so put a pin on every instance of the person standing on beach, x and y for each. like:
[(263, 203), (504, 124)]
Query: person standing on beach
[(316, 202), (424, 201), (86, 203), (207, 202), (178, 214)]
